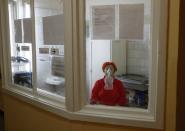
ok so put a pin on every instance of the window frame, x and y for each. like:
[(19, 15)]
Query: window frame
[(154, 115), (74, 107)]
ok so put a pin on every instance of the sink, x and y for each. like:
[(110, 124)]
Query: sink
[(55, 80)]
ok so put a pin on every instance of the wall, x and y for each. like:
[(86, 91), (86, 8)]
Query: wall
[(20, 116), (98, 59), (138, 57)]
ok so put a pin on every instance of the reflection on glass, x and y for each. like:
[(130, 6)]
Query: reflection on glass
[(118, 32), (49, 32), (20, 42)]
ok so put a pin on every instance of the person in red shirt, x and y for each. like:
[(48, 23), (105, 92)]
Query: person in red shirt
[(108, 90)]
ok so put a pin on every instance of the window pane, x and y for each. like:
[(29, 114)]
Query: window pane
[(49, 29), (20, 42), (118, 41)]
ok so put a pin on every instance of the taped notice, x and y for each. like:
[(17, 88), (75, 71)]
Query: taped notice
[(131, 21), (103, 22)]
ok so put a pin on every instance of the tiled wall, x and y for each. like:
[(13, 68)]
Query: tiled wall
[(138, 52), (137, 58)]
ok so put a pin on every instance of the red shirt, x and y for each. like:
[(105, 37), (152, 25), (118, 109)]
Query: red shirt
[(115, 96)]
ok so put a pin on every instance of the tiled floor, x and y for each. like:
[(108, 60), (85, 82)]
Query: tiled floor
[(1, 121)]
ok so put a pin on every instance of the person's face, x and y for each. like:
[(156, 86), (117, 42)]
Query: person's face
[(109, 70)]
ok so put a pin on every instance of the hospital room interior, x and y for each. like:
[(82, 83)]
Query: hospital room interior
[(130, 53)]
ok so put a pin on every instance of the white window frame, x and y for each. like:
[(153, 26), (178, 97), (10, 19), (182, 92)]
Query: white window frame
[(74, 106)]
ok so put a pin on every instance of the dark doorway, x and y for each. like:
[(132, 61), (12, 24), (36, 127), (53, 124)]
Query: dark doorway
[(1, 121), (181, 72)]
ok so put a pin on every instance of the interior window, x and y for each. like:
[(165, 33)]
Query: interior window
[(49, 31), (118, 45), (20, 42)]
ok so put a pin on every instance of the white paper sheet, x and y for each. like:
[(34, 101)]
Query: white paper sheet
[(53, 29), (18, 30), (103, 22), (131, 21), (27, 28)]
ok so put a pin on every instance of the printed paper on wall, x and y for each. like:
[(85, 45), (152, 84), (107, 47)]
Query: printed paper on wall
[(131, 21), (103, 22)]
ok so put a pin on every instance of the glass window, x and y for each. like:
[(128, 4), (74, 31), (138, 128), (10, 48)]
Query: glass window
[(118, 44), (124, 44), (20, 26), (49, 32)]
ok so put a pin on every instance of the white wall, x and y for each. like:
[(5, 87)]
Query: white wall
[(101, 50), (137, 58), (49, 4), (119, 56)]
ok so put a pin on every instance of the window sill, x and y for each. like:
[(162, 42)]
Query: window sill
[(117, 116), (90, 113)]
